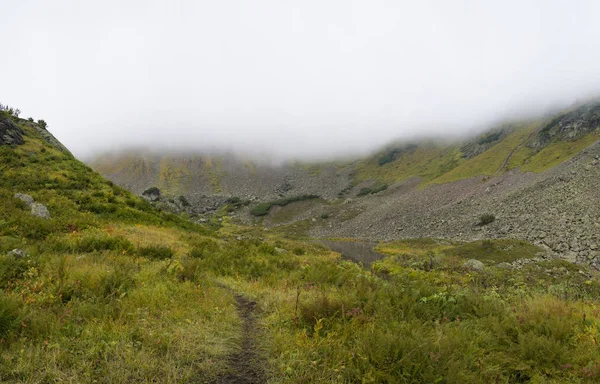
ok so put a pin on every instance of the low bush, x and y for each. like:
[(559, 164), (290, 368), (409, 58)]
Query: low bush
[(368, 191), (156, 252), (263, 209), (103, 243), (9, 314), (12, 268), (486, 219)]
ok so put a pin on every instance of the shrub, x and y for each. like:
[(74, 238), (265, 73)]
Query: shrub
[(190, 269), (12, 268), (151, 191), (156, 252), (204, 248), (262, 209), (486, 219), (364, 191), (103, 243), (116, 284), (42, 124), (9, 314), (184, 201), (325, 216), (380, 188)]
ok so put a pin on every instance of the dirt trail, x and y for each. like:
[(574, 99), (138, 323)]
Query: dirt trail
[(246, 364)]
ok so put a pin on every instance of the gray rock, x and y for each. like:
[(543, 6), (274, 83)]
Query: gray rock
[(10, 133), (151, 194), (504, 266), (475, 265), (40, 210), (26, 198), (17, 253)]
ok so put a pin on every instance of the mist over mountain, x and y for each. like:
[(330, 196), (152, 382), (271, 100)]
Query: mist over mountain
[(308, 80)]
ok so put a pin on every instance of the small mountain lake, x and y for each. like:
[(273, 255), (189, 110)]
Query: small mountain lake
[(357, 251)]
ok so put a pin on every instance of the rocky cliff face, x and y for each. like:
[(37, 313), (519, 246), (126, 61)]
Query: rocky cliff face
[(10, 133)]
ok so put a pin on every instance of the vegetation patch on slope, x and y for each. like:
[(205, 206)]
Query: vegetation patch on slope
[(490, 161), (553, 154), (427, 161), (263, 209)]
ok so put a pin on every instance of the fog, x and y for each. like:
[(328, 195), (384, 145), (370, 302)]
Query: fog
[(295, 79)]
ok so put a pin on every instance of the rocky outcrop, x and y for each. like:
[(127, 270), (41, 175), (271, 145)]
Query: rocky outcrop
[(151, 194), (569, 126), (10, 133), (37, 209)]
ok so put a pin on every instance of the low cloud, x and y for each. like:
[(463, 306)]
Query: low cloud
[(310, 79)]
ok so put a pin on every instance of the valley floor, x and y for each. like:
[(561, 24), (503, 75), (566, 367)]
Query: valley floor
[(137, 303)]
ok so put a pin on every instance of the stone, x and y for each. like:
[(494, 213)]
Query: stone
[(40, 210), (10, 133), (26, 198), (504, 265), (151, 194), (17, 253), (475, 265)]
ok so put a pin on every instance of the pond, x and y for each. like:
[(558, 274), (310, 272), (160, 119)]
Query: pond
[(357, 251)]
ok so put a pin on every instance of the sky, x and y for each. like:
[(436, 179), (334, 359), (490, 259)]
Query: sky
[(296, 79)]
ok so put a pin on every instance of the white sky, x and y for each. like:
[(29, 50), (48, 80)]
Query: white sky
[(294, 78)]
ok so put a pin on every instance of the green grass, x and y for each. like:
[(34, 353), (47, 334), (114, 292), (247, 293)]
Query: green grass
[(427, 161), (552, 155), (488, 162)]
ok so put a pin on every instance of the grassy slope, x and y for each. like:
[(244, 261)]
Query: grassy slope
[(428, 162), (490, 161), (84, 305), (554, 154)]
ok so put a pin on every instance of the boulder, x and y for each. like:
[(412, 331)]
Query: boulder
[(151, 194), (504, 265), (40, 210), (26, 198), (475, 265), (10, 133), (17, 253)]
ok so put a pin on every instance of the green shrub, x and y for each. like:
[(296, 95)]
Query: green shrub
[(9, 314), (12, 268), (103, 242), (204, 248), (380, 188), (156, 252), (116, 284), (368, 191), (486, 219), (263, 209), (190, 269)]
